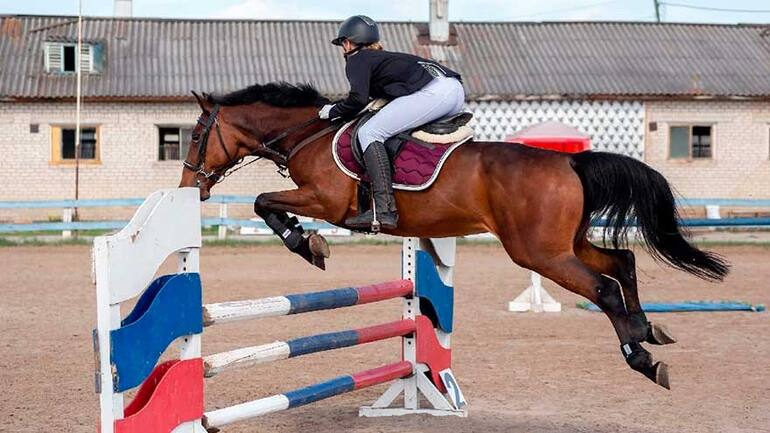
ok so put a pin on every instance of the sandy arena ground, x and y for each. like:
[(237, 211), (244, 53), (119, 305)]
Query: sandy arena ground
[(556, 373)]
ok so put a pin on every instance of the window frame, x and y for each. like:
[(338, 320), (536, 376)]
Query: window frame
[(690, 126), (178, 126), (56, 145), (87, 48)]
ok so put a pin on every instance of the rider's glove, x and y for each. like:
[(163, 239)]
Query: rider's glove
[(324, 113)]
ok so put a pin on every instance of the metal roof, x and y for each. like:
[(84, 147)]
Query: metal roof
[(164, 59)]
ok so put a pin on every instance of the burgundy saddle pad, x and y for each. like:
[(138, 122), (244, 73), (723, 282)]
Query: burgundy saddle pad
[(415, 167)]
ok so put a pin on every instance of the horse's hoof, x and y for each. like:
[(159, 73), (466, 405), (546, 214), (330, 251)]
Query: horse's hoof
[(661, 374), (319, 262), (312, 249), (318, 245), (209, 429), (659, 334)]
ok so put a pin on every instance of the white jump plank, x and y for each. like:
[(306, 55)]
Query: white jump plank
[(244, 357), (244, 411), (243, 310)]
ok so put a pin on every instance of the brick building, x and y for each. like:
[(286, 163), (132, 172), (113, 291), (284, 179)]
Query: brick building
[(691, 100)]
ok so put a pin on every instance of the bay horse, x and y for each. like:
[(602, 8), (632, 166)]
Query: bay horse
[(538, 203)]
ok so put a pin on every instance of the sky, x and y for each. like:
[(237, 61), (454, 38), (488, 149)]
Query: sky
[(711, 11)]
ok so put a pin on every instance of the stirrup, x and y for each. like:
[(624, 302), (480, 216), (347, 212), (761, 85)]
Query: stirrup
[(376, 226)]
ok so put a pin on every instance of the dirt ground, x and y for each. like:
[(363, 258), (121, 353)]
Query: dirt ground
[(555, 373)]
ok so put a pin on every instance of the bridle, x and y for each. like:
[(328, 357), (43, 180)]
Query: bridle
[(268, 149), (202, 142)]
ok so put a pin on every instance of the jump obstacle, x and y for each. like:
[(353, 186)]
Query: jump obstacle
[(169, 309)]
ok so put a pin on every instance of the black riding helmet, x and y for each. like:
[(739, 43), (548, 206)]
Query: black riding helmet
[(359, 29)]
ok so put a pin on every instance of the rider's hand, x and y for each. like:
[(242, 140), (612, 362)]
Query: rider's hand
[(324, 113)]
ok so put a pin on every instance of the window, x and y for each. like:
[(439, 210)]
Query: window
[(69, 59), (63, 144), (173, 142), (62, 58), (690, 142)]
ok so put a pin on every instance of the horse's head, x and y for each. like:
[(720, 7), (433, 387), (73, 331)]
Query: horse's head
[(261, 120), (217, 145)]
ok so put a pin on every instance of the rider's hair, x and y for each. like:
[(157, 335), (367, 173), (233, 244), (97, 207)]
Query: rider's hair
[(373, 46)]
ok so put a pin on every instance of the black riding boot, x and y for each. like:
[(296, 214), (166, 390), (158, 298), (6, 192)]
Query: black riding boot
[(383, 214)]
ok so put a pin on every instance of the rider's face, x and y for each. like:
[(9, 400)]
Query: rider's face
[(347, 46)]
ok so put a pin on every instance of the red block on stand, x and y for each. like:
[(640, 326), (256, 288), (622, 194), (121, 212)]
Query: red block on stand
[(553, 136)]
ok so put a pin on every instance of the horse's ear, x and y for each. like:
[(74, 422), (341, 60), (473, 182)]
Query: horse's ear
[(202, 101)]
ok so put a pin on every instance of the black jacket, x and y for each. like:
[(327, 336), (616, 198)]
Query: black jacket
[(383, 74)]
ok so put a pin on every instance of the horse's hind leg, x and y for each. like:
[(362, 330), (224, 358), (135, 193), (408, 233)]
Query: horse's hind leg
[(571, 273), (621, 265)]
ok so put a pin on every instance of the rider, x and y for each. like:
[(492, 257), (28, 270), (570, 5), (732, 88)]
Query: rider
[(420, 91)]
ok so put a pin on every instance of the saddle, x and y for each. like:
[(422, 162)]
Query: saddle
[(447, 130), (416, 155)]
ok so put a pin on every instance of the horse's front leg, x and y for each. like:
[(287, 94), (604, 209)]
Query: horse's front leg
[(273, 207)]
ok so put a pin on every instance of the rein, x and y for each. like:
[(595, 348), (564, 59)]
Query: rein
[(279, 158)]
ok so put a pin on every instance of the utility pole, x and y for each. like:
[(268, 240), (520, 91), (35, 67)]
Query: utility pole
[(78, 97), (657, 10)]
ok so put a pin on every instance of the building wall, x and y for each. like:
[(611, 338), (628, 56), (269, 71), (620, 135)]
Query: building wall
[(129, 166), (740, 167)]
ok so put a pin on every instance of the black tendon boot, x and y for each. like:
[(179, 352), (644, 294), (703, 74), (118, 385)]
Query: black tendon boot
[(383, 214), (312, 247)]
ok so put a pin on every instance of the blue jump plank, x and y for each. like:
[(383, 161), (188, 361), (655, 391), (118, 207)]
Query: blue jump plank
[(325, 300), (736, 202), (170, 308), (687, 306), (307, 225), (145, 300), (320, 391), (317, 343), (45, 204), (725, 222), (232, 199), (59, 226), (429, 287)]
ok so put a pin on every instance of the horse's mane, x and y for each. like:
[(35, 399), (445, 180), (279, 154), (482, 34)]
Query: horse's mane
[(278, 94)]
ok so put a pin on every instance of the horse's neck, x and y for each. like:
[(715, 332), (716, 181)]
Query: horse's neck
[(302, 140), (280, 121), (312, 158)]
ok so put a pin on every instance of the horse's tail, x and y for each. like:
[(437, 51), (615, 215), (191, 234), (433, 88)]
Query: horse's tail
[(618, 187)]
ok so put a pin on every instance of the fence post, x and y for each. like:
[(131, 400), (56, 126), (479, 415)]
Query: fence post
[(222, 233), (712, 212), (66, 217)]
